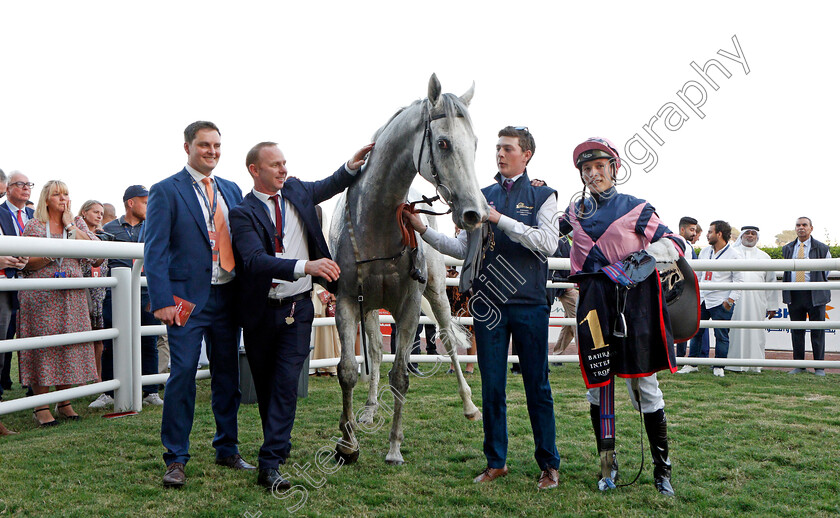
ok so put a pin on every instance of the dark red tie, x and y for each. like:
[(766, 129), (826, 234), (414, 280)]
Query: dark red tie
[(278, 223), (20, 220)]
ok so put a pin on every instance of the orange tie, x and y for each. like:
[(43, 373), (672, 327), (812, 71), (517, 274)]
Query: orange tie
[(800, 275), (225, 249)]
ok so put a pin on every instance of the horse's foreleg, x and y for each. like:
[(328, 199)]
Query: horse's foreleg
[(398, 378), (375, 358), (347, 449)]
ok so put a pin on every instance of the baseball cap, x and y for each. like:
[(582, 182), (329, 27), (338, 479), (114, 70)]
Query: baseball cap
[(135, 191)]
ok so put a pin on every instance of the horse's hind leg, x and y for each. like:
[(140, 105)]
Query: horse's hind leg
[(375, 358), (347, 449), (451, 336)]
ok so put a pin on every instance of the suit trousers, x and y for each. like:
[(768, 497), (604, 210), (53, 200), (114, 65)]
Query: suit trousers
[(215, 323), (800, 307), (6, 313), (276, 352), (528, 324)]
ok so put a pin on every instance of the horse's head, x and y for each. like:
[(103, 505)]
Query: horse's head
[(447, 154)]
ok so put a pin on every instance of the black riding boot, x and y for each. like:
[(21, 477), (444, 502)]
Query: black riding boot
[(657, 432), (606, 452)]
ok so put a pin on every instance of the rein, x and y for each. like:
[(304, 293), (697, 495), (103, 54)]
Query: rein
[(409, 238)]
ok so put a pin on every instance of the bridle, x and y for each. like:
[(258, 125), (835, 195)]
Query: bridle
[(414, 271)]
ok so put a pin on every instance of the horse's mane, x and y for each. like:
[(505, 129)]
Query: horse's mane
[(452, 106)]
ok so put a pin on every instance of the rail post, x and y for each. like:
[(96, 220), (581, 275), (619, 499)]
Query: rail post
[(124, 399)]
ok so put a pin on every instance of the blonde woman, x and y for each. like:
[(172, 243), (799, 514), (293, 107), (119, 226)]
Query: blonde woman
[(51, 312)]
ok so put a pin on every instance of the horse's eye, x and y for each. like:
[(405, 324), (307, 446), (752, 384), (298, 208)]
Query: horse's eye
[(444, 144)]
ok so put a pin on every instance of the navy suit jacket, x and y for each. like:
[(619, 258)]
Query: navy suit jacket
[(177, 255), (818, 250), (9, 226), (253, 241)]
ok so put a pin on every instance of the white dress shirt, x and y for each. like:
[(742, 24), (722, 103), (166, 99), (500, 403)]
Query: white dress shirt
[(219, 276), (295, 246)]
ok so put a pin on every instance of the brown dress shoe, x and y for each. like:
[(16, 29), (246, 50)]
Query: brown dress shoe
[(235, 462), (174, 476), (548, 479), (489, 474)]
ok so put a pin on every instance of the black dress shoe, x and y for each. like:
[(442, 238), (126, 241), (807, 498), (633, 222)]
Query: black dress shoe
[(174, 476), (235, 462), (271, 479)]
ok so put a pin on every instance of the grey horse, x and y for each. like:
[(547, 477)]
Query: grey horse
[(436, 136)]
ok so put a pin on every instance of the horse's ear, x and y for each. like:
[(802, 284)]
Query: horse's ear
[(434, 89), (468, 95)]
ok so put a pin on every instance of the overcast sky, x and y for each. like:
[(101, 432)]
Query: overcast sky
[(98, 93)]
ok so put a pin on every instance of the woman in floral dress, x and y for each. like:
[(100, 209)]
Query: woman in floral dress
[(92, 212), (51, 312)]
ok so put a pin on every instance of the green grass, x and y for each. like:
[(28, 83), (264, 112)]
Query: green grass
[(744, 445)]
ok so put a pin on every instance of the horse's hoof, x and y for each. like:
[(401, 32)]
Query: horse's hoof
[(394, 462), (347, 458), (475, 416)]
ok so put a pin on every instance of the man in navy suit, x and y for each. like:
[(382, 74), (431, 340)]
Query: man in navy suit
[(188, 255), (810, 303), (13, 217), (279, 250)]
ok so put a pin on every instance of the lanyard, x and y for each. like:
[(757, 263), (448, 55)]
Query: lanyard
[(14, 218), (210, 210), (130, 231), (283, 213), (270, 208), (720, 253), (60, 260)]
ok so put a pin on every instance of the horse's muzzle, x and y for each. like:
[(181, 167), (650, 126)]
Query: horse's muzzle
[(470, 218)]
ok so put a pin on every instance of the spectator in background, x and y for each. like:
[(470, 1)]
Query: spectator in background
[(6, 297), (459, 305), (14, 214), (716, 304), (754, 304), (129, 229), (688, 231), (92, 213), (807, 303), (324, 338), (568, 297), (9, 265), (698, 231), (110, 213), (53, 312)]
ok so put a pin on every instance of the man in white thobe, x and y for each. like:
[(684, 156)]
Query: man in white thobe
[(755, 304)]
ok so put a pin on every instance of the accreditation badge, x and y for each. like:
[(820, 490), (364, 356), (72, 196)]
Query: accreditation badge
[(214, 244)]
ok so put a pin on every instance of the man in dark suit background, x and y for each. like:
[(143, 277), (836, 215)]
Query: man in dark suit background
[(188, 254), (13, 217), (810, 303), (280, 249)]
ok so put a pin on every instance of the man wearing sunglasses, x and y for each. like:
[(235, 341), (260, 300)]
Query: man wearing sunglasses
[(510, 283), (13, 217)]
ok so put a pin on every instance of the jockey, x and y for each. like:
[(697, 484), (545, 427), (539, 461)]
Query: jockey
[(607, 228)]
